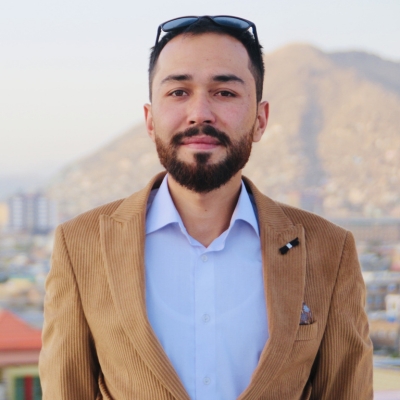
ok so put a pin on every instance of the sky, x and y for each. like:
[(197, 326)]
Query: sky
[(73, 74)]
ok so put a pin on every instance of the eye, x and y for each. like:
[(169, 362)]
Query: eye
[(178, 93), (226, 93)]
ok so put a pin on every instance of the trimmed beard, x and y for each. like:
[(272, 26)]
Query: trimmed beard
[(200, 176)]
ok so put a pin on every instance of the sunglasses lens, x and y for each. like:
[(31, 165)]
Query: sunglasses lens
[(232, 22), (222, 20), (178, 23)]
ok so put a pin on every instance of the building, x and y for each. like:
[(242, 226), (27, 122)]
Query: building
[(383, 230), (374, 262), (379, 285), (393, 307), (3, 215), (19, 355), (31, 213), (396, 259), (385, 335)]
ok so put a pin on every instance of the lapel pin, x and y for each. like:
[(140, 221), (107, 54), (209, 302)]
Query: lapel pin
[(288, 246)]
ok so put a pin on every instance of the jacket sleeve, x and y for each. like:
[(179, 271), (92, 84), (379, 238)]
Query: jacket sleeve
[(67, 364), (343, 368)]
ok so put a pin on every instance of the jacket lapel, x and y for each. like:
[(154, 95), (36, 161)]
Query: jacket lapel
[(284, 279), (122, 240)]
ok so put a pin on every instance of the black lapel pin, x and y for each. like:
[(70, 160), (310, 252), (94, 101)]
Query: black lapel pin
[(288, 246)]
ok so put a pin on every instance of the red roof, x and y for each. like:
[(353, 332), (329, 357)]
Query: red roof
[(16, 334)]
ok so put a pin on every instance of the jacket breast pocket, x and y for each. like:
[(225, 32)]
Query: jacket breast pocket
[(307, 332)]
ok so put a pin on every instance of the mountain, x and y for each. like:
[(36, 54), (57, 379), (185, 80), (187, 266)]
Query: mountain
[(115, 171), (332, 144), (334, 131)]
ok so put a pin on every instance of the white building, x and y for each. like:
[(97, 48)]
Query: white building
[(33, 213)]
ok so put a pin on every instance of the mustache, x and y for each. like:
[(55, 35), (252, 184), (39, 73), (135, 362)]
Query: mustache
[(207, 130)]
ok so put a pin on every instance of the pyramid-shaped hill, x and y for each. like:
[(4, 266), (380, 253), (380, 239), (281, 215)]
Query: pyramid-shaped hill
[(332, 144)]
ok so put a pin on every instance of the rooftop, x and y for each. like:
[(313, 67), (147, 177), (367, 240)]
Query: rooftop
[(15, 334)]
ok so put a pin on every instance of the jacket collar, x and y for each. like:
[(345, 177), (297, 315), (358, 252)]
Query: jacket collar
[(123, 239)]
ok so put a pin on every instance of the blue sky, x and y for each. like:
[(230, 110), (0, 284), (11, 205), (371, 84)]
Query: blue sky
[(73, 74)]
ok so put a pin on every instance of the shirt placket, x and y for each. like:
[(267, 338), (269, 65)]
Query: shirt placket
[(205, 335)]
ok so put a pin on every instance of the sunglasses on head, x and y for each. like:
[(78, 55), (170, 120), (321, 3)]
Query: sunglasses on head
[(227, 21)]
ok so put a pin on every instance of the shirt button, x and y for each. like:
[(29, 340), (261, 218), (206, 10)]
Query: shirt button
[(206, 380), (204, 258), (206, 318)]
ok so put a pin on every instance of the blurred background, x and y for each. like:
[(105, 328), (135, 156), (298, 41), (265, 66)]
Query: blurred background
[(73, 81)]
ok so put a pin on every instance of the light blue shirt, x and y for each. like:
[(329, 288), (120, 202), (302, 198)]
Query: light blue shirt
[(206, 305)]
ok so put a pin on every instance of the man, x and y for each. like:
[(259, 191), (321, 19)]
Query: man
[(199, 286)]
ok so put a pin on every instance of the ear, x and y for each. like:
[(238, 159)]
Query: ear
[(148, 117), (262, 120)]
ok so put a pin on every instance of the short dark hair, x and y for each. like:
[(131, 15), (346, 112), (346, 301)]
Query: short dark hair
[(206, 25)]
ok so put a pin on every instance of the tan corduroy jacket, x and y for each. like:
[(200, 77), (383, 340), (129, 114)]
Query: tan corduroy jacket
[(98, 343)]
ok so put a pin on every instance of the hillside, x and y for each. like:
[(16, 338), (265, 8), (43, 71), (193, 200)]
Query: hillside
[(332, 144)]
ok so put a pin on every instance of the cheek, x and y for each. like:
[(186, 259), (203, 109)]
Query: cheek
[(168, 116), (238, 116), (166, 125)]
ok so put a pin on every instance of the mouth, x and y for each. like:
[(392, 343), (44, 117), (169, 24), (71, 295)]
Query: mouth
[(200, 142)]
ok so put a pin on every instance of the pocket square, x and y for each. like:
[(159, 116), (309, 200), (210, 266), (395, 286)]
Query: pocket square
[(306, 315)]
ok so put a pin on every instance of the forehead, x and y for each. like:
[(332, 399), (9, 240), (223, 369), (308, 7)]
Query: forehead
[(201, 54)]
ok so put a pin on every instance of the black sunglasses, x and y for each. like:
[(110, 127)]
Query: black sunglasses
[(227, 21)]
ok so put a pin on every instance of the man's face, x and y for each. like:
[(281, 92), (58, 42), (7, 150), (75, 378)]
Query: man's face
[(204, 114)]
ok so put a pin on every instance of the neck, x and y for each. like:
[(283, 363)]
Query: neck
[(206, 215)]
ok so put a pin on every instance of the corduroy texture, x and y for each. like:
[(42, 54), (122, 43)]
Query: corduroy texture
[(98, 343)]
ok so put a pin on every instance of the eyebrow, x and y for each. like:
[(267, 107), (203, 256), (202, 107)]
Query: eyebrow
[(215, 78), (177, 78), (227, 78)]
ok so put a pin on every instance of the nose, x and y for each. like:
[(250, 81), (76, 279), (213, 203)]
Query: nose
[(200, 111)]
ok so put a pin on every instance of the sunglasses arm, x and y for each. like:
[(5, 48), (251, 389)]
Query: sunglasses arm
[(158, 34), (253, 26)]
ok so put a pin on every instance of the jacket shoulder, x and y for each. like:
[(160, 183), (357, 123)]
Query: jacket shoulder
[(282, 216), (312, 222), (120, 210), (89, 220)]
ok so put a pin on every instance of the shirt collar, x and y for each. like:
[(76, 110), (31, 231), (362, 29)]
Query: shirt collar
[(245, 210), (162, 211)]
